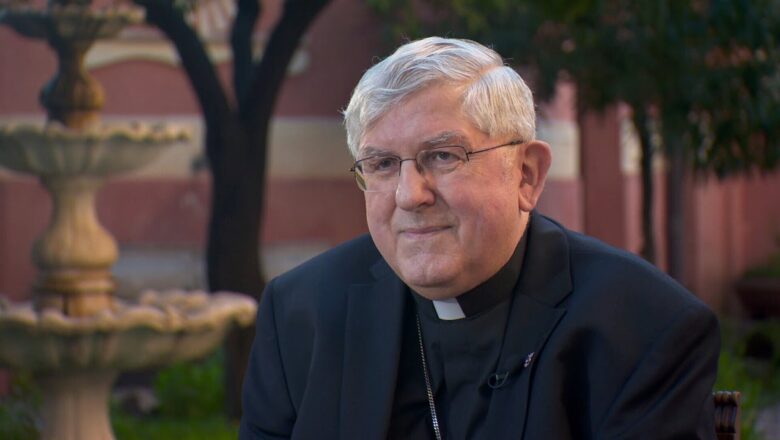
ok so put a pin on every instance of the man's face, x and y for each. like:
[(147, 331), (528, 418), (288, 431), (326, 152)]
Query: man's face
[(444, 235)]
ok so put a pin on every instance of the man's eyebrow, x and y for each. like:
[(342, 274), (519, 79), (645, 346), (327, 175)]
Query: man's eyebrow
[(443, 138), (370, 150), (446, 138)]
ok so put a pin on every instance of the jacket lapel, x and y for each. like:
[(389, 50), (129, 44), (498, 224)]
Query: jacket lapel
[(545, 281), (372, 348), (530, 325)]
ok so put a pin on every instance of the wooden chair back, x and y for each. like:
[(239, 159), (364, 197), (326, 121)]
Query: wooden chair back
[(727, 414)]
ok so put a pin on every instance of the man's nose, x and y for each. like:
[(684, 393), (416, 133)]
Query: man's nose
[(414, 189)]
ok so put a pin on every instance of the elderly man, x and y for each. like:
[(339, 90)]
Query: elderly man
[(466, 314)]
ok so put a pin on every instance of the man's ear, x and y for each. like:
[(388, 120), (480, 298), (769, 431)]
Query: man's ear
[(536, 162)]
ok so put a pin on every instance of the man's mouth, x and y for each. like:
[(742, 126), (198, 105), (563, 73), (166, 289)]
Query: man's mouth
[(423, 231)]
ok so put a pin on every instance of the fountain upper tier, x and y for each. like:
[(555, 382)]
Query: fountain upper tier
[(74, 153), (75, 253), (69, 22), (72, 97)]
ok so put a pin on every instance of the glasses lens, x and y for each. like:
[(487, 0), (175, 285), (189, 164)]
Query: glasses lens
[(442, 160), (377, 173), (361, 182), (380, 166)]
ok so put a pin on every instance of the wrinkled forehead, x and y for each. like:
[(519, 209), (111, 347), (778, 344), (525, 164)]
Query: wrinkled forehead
[(457, 133), (438, 139)]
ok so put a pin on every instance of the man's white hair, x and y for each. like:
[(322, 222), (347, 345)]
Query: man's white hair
[(494, 96)]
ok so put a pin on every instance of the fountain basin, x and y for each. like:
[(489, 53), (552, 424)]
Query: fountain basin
[(103, 150), (161, 328), (76, 359)]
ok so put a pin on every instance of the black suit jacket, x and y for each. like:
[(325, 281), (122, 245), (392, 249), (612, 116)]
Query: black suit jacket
[(618, 350)]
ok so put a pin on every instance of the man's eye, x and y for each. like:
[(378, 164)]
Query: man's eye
[(381, 164), (442, 157), (385, 163)]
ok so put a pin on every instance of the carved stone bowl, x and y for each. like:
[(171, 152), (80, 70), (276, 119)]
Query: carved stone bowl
[(103, 150), (162, 328)]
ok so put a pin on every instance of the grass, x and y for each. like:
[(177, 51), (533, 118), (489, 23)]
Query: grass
[(214, 427)]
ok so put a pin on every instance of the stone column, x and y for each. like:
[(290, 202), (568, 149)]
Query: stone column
[(75, 253), (76, 405)]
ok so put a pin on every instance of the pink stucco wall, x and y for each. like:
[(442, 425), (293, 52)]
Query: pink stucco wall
[(734, 224)]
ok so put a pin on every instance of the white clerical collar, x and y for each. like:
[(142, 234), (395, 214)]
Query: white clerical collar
[(448, 309)]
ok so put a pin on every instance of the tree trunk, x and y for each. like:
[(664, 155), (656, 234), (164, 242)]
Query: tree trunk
[(233, 250), (236, 141), (641, 121), (675, 207), (232, 257)]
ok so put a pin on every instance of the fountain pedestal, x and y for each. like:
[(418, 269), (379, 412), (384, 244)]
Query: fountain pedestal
[(75, 253), (72, 397)]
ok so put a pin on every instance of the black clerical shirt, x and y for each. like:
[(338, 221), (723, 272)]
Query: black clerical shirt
[(462, 355)]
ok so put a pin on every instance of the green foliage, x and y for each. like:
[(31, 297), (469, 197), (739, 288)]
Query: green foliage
[(191, 397), (19, 409), (733, 375), (213, 427), (750, 363), (707, 71), (191, 390), (770, 269)]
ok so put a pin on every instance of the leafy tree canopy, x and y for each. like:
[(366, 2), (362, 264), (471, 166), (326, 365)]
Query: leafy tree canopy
[(706, 70)]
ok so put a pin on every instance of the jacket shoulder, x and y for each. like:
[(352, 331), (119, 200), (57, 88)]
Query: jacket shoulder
[(611, 275), (346, 264)]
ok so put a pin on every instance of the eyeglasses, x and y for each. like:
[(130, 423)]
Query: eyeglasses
[(380, 172)]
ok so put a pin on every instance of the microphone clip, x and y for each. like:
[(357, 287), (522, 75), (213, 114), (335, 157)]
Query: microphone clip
[(497, 380)]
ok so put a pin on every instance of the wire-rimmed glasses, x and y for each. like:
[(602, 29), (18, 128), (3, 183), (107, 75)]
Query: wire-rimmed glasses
[(380, 172)]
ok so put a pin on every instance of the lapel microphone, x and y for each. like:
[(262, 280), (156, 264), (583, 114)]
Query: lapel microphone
[(498, 380)]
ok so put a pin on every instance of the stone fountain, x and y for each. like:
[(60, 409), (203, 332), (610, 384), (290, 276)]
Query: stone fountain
[(74, 335)]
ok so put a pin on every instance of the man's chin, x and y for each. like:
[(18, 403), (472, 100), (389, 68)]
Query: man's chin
[(436, 294), (430, 284)]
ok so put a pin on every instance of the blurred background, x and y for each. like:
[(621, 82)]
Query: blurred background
[(662, 117)]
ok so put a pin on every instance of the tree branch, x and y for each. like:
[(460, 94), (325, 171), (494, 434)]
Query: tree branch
[(200, 71), (241, 42), (269, 73)]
